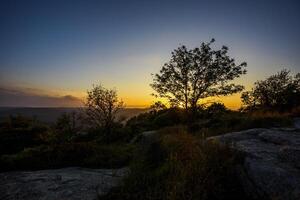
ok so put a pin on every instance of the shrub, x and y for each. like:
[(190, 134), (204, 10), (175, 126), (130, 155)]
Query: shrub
[(156, 120), (17, 133), (237, 121), (176, 165), (216, 109), (87, 154)]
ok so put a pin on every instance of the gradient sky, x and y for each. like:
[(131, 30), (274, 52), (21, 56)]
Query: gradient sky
[(51, 52)]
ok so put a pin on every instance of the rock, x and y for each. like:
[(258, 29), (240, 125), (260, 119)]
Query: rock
[(290, 154), (144, 137), (271, 168), (59, 184), (297, 123)]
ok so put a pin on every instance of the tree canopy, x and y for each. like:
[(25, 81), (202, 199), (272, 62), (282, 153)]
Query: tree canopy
[(194, 74), (280, 91), (102, 106)]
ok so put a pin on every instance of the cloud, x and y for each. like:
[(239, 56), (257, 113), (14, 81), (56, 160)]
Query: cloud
[(24, 97)]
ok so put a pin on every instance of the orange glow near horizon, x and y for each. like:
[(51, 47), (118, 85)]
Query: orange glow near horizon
[(133, 95), (232, 102)]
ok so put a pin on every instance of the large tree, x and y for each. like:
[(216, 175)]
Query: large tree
[(194, 74), (102, 106), (280, 91)]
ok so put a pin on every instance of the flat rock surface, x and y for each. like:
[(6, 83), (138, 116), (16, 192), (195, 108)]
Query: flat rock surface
[(59, 184), (272, 161), (297, 123)]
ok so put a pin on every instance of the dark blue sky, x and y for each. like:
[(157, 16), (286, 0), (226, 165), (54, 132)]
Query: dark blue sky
[(62, 47)]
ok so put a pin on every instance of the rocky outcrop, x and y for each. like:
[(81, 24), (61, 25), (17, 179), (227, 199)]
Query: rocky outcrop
[(271, 169), (297, 123), (59, 184)]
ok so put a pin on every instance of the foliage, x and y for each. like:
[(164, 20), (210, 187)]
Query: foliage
[(177, 165), (216, 109), (85, 154), (67, 122), (156, 119), (213, 120), (231, 121), (280, 91), (101, 107), (198, 73), (17, 133), (157, 106), (26, 144), (68, 125)]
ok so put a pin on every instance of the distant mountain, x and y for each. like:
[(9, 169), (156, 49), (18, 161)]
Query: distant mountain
[(49, 115)]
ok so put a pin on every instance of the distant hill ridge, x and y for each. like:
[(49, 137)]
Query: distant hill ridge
[(50, 114)]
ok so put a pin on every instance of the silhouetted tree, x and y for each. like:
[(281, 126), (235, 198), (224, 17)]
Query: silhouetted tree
[(216, 108), (102, 106), (68, 124), (197, 73), (158, 106), (279, 91)]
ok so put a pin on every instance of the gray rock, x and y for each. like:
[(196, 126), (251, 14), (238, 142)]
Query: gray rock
[(291, 155), (144, 137), (59, 184), (297, 123), (271, 169)]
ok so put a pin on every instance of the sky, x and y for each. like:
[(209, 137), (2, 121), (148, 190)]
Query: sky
[(52, 52)]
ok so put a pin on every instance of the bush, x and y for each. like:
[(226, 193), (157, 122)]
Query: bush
[(216, 109), (176, 165), (237, 121), (17, 133), (88, 154), (156, 119)]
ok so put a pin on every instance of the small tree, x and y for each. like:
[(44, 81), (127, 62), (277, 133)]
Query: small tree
[(102, 106), (195, 74), (280, 91), (67, 124)]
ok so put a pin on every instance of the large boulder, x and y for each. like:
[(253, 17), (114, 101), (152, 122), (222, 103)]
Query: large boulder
[(271, 168), (59, 184)]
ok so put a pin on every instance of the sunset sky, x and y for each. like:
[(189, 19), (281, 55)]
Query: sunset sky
[(51, 52)]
